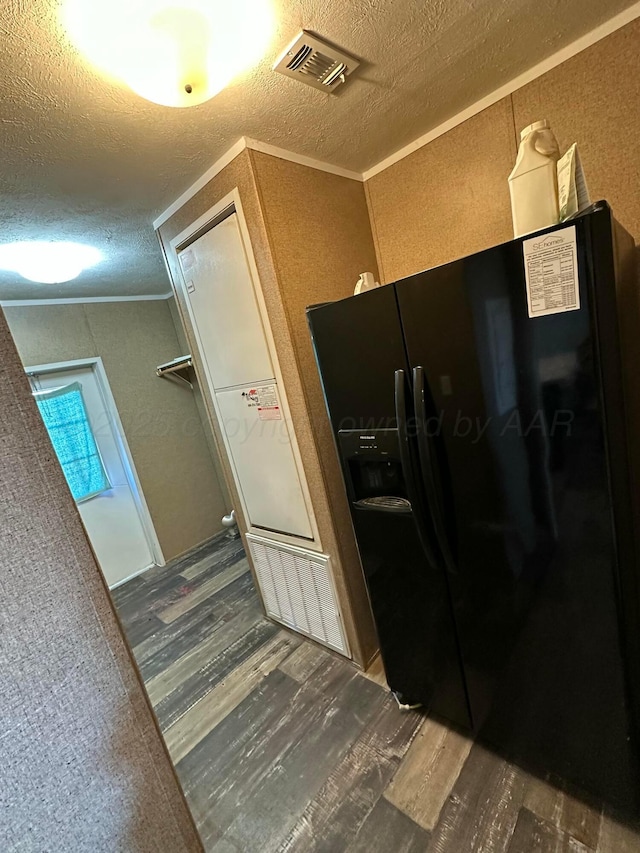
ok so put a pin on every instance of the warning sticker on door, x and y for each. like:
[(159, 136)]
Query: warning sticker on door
[(551, 273), (265, 399)]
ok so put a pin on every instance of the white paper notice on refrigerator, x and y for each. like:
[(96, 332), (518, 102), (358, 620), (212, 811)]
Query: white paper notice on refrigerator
[(551, 272)]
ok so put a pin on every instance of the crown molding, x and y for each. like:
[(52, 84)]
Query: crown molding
[(509, 88), (255, 145), (237, 148), (532, 73), (79, 300), (301, 159)]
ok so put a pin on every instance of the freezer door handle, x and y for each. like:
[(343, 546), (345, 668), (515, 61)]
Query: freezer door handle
[(407, 469), (430, 470)]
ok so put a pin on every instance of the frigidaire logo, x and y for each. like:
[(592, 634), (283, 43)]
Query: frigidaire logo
[(546, 244), (367, 437)]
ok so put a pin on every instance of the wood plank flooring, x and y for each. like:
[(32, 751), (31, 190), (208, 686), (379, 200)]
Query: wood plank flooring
[(283, 747)]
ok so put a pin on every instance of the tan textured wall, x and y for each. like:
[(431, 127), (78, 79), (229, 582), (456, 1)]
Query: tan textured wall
[(160, 419), (447, 199), (320, 236), (242, 174), (83, 765), (594, 99), (451, 197)]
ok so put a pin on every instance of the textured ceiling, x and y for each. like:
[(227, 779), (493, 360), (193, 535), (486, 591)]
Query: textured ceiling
[(88, 160)]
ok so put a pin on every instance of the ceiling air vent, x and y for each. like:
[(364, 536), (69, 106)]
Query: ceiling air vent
[(311, 60)]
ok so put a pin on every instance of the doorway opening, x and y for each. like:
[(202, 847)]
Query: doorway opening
[(80, 414)]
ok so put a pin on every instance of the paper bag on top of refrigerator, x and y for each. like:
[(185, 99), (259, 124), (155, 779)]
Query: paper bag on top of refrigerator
[(573, 193)]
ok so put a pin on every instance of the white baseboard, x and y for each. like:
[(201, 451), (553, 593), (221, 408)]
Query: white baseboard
[(134, 575)]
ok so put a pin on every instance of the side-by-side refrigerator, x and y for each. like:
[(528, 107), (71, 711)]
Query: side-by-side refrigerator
[(483, 415)]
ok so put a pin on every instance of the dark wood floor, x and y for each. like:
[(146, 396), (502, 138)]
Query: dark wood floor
[(282, 746)]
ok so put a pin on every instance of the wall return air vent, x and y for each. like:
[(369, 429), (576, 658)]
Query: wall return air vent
[(311, 60), (298, 590)]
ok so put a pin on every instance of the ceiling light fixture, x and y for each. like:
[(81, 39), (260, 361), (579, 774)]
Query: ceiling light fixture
[(48, 263), (179, 53)]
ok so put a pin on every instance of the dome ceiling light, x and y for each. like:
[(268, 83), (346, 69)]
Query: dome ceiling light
[(176, 54), (48, 263)]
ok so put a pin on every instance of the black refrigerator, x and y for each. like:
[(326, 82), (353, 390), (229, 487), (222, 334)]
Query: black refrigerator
[(485, 417)]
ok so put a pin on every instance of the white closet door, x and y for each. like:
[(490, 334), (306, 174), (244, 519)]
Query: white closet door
[(263, 460), (220, 289)]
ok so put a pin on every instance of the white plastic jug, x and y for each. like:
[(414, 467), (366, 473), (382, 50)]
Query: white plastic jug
[(533, 183), (366, 281)]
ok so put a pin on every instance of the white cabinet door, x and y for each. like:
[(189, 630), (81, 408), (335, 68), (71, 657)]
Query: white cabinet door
[(263, 460), (224, 308)]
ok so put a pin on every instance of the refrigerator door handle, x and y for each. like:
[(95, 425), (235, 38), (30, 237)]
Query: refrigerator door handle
[(430, 471), (407, 468)]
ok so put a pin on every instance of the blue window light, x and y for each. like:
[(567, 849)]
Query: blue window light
[(65, 417)]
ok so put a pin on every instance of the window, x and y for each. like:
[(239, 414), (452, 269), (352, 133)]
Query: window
[(65, 417)]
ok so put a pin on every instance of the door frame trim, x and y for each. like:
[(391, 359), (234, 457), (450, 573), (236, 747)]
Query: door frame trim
[(96, 364)]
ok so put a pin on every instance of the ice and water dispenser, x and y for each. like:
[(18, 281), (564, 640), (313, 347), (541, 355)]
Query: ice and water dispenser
[(373, 470)]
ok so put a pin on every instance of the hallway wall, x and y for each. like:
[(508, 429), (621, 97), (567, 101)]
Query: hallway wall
[(83, 764), (168, 442)]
